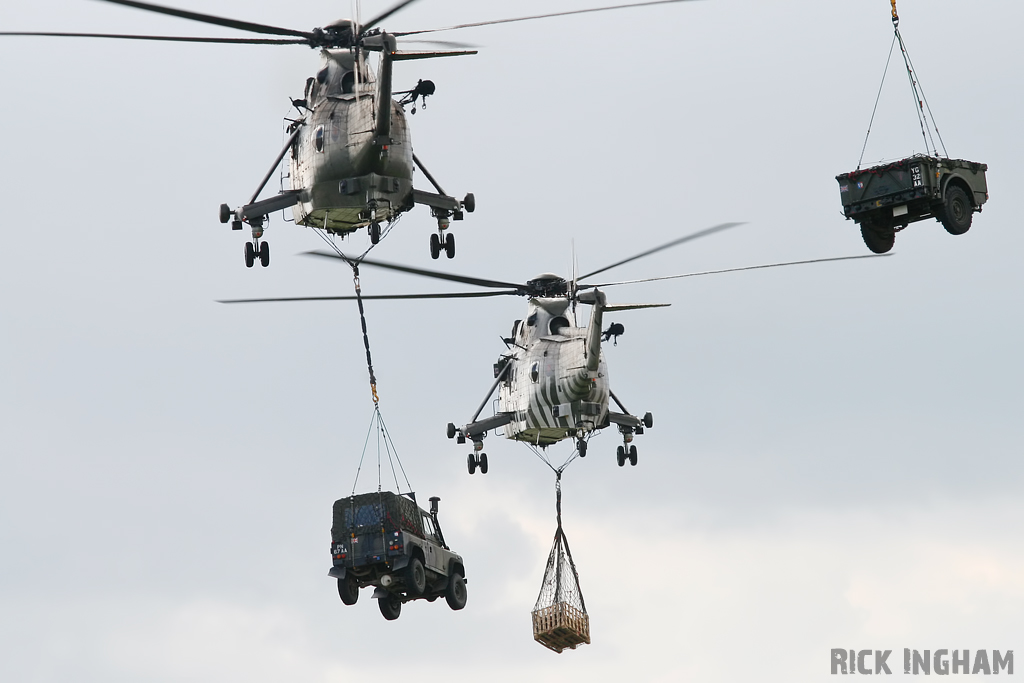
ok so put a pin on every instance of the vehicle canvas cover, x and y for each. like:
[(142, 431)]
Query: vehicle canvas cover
[(368, 512)]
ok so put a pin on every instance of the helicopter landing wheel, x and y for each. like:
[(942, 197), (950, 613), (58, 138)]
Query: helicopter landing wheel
[(471, 464), (435, 247), (632, 456), (620, 456), (483, 463), (581, 446), (449, 245), (264, 253), (250, 255), (374, 233)]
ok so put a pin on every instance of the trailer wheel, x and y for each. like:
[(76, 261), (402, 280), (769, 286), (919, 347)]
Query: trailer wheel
[(877, 238), (957, 212), (348, 589), (390, 606)]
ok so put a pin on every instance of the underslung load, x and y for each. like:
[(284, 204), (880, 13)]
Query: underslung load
[(387, 541), (885, 199), (560, 619)]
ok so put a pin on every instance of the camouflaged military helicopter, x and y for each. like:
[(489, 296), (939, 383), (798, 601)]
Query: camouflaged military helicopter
[(351, 157), (553, 379)]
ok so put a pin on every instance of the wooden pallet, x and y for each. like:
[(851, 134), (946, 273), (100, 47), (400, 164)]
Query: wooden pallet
[(561, 626)]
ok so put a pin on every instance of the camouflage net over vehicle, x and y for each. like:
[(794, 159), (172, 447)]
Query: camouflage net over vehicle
[(560, 618), (369, 512)]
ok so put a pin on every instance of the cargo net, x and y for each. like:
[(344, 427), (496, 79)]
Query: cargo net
[(560, 618)]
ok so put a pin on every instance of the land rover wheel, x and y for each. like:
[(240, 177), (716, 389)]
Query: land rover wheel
[(348, 589), (455, 594), (877, 238), (957, 212), (390, 606), (415, 578)]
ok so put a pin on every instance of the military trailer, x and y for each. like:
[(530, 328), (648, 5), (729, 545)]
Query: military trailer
[(885, 199), (387, 541)]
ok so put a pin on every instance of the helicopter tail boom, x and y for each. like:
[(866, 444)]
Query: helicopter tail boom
[(599, 302)]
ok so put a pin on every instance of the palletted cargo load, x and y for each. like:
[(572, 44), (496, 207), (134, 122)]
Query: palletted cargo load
[(560, 618), (887, 198)]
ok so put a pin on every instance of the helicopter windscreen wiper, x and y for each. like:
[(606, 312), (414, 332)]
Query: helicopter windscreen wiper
[(541, 16)]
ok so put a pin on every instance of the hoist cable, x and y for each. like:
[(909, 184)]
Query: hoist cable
[(365, 444), (877, 99), (918, 104), (387, 435), (922, 108), (922, 101)]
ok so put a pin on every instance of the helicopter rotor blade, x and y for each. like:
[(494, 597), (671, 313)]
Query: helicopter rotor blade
[(667, 245), (540, 16), (171, 39), (737, 270), (437, 275), (377, 297), (387, 13), (442, 43), (210, 19)]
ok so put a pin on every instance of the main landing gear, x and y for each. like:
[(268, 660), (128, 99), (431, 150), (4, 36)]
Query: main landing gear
[(477, 459), (627, 451), (257, 250), (439, 241), (444, 209)]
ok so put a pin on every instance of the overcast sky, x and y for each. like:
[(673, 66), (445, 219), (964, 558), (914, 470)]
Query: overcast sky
[(836, 457)]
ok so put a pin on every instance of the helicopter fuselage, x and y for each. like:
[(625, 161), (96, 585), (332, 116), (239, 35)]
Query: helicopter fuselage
[(554, 388), (350, 171)]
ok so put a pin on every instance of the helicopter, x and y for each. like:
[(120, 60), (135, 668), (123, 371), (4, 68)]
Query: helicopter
[(350, 153), (553, 380)]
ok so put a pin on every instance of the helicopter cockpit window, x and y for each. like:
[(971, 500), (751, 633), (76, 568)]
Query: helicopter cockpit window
[(532, 320), (348, 82), (535, 372), (318, 139)]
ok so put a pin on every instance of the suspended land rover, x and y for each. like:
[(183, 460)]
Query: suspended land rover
[(387, 541)]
